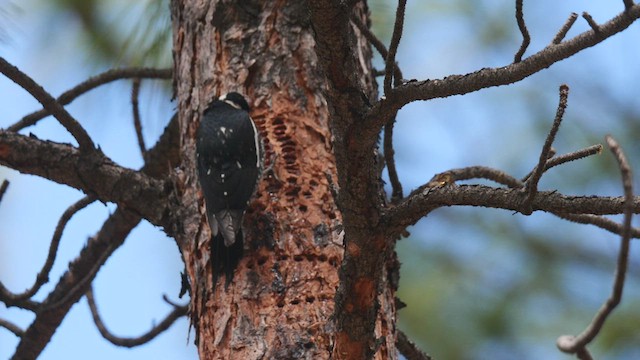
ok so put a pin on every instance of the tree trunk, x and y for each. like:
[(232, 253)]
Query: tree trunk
[(282, 299)]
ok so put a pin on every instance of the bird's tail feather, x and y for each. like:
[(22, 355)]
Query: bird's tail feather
[(225, 259)]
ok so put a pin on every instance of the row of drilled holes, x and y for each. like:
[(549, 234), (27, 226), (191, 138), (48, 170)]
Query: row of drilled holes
[(333, 261), (308, 299)]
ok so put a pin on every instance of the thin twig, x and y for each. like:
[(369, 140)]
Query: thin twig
[(43, 276), (408, 349), (565, 158), (571, 344), (3, 188), (390, 60), (378, 45), (526, 39), (627, 4), (594, 25), (135, 92), (565, 29), (90, 84), (82, 284), (178, 312), (599, 221), (584, 354), (576, 155), (49, 103), (550, 155), (474, 172), (11, 327), (389, 158), (532, 183)]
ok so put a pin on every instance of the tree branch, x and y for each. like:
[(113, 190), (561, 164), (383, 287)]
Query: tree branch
[(390, 59), (73, 284), (3, 188), (135, 91), (389, 158), (526, 38), (565, 158), (377, 44), (178, 312), (592, 23), (93, 173), (10, 299), (474, 172), (163, 157), (380, 112), (426, 199), (532, 182), (408, 349), (93, 82), (627, 4), (571, 344), (599, 221), (564, 29), (49, 103), (11, 327)]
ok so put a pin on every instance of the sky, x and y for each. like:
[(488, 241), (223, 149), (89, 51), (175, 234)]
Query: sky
[(494, 127)]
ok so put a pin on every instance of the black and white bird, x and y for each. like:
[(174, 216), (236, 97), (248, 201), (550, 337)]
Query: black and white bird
[(229, 160)]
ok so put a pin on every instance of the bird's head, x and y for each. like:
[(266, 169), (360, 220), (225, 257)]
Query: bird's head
[(236, 100)]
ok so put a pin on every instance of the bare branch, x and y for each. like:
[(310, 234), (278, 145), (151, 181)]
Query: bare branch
[(571, 344), (92, 173), (90, 84), (565, 29), (565, 158), (11, 327), (627, 4), (135, 91), (532, 183), (389, 158), (378, 45), (43, 276), (594, 25), (584, 354), (49, 103), (382, 111), (449, 177), (427, 198), (92, 256), (3, 188), (390, 60), (526, 39), (408, 349), (162, 158), (599, 221), (178, 312), (79, 287)]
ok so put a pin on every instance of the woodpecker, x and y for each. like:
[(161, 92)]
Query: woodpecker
[(229, 160)]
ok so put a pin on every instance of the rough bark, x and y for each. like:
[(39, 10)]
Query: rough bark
[(365, 307), (281, 302)]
